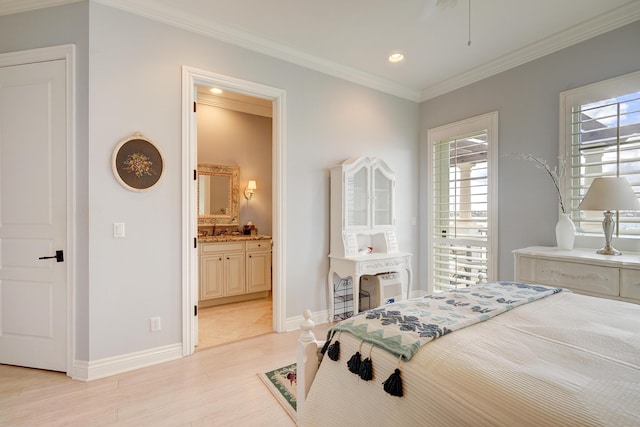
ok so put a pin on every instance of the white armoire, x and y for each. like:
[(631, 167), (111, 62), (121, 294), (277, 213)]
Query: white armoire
[(363, 232)]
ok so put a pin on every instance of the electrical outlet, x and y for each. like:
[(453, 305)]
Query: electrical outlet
[(155, 324)]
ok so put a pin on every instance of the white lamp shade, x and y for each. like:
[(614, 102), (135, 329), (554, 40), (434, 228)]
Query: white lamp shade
[(610, 193), (251, 186)]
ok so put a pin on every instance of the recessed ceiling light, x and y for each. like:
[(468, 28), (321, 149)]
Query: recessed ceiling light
[(396, 57), (216, 90)]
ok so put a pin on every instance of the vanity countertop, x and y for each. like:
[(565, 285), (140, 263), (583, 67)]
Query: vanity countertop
[(231, 238)]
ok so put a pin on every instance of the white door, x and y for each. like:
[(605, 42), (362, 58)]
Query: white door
[(33, 215)]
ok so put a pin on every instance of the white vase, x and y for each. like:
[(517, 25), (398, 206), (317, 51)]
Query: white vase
[(565, 232)]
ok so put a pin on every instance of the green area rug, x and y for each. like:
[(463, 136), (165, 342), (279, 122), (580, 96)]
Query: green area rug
[(282, 384)]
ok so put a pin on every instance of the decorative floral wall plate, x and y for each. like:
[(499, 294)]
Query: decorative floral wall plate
[(137, 164)]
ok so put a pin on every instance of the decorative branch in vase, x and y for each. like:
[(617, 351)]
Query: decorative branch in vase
[(565, 229), (555, 174)]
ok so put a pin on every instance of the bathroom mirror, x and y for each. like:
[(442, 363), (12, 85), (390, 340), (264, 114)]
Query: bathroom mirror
[(218, 195)]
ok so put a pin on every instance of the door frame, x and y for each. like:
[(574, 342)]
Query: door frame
[(190, 78), (67, 53), (488, 122)]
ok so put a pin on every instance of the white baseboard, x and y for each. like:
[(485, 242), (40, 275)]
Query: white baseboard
[(95, 369), (319, 318)]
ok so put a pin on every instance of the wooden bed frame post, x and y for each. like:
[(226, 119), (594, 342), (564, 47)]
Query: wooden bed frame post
[(307, 362)]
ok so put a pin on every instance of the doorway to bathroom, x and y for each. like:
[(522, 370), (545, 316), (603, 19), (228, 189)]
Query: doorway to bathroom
[(191, 79), (234, 132)]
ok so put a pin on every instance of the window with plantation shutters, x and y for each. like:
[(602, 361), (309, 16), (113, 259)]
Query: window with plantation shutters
[(460, 183), (601, 137)]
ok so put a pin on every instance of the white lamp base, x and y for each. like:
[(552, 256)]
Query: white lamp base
[(608, 225), (609, 250)]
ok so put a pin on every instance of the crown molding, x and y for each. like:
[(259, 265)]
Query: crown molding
[(17, 6), (176, 18), (594, 27), (576, 34), (242, 106)]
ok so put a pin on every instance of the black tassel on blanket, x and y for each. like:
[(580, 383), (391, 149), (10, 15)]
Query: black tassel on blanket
[(393, 384), (366, 370), (327, 342), (334, 351), (354, 363)]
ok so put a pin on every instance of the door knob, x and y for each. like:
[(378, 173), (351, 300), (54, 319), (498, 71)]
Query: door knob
[(59, 256)]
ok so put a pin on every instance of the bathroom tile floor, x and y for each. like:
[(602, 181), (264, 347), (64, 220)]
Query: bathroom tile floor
[(233, 322)]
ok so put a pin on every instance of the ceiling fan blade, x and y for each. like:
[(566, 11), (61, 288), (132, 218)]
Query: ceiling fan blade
[(428, 10), (431, 7)]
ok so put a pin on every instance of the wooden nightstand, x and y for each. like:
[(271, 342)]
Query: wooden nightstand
[(581, 270)]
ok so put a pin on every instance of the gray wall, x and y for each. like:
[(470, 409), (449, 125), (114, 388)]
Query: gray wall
[(131, 67), (133, 76), (135, 85), (527, 98)]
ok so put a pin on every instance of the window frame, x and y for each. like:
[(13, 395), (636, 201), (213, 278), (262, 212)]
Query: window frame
[(603, 90)]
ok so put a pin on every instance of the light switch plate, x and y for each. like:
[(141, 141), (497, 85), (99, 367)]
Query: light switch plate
[(118, 229)]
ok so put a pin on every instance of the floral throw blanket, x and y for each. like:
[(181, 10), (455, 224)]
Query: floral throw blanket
[(403, 327)]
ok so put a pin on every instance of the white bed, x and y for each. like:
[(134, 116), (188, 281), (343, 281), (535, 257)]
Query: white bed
[(564, 360)]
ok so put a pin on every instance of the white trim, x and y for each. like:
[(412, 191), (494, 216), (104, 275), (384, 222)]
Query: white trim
[(66, 53), (487, 121), (190, 78), (319, 318), (71, 206), (243, 106), (17, 6), (170, 15), (96, 369), (189, 220), (279, 202), (602, 24), (424, 204), (177, 18), (597, 91)]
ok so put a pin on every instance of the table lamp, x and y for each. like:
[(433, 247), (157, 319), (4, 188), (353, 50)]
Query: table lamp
[(607, 194)]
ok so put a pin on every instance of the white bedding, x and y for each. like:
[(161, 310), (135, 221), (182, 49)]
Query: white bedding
[(565, 360)]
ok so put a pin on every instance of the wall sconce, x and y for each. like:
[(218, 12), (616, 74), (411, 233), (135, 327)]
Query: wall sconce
[(250, 190), (607, 194)]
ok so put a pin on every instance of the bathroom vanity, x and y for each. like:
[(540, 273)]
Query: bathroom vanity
[(234, 268)]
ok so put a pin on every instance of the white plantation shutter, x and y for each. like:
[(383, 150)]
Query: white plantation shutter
[(459, 211), (602, 138)]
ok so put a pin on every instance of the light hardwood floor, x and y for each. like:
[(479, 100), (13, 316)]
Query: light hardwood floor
[(218, 386)]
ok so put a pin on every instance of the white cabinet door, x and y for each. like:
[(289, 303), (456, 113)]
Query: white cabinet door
[(211, 276), (357, 198), (234, 275), (258, 271), (383, 195)]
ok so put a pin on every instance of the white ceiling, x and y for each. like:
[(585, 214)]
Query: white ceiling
[(352, 39)]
